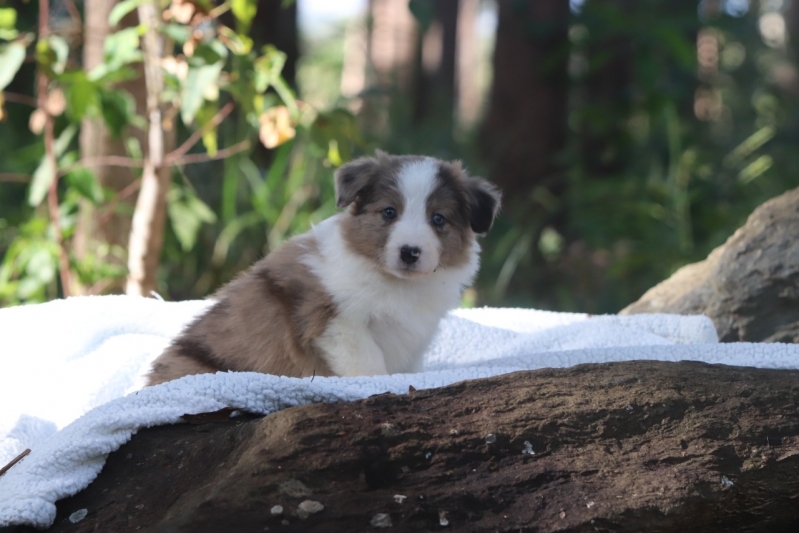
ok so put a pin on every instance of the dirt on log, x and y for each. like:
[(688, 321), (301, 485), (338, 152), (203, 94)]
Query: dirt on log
[(636, 446), (749, 286)]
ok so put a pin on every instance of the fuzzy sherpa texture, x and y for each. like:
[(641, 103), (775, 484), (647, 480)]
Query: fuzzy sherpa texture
[(72, 374)]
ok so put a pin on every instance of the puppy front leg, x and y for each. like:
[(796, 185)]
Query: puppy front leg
[(350, 350)]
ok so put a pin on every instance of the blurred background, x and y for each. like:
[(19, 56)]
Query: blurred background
[(166, 146)]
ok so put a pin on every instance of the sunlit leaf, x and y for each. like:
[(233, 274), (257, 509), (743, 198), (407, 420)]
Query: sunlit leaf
[(179, 33), (12, 56), (8, 18), (755, 169), (238, 44), (133, 147), (749, 145), (42, 178), (122, 9), (187, 213), (209, 53), (120, 49), (204, 115), (63, 140), (268, 67), (197, 82), (81, 95), (61, 49), (244, 11)]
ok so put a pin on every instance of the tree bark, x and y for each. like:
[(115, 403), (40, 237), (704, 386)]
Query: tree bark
[(392, 47), (96, 228), (525, 128), (637, 446), (149, 218), (435, 95), (467, 86)]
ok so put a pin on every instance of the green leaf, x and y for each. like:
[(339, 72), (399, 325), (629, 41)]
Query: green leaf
[(187, 213), (204, 115), (8, 18), (133, 147), (238, 44), (122, 9), (208, 53), (117, 107), (268, 67), (244, 11), (81, 94), (12, 56), (120, 49), (66, 136), (42, 178), (179, 33), (86, 184), (197, 82), (61, 49)]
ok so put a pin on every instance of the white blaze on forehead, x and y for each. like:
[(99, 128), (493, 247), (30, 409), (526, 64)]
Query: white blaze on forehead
[(416, 181)]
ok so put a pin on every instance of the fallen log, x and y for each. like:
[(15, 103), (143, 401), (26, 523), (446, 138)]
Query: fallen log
[(638, 446)]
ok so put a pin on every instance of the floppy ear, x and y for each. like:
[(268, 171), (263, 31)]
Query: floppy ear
[(484, 199), (352, 178)]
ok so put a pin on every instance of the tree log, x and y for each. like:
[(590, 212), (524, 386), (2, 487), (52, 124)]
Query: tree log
[(639, 446)]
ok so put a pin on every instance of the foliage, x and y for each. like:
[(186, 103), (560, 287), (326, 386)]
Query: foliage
[(667, 150), (212, 71)]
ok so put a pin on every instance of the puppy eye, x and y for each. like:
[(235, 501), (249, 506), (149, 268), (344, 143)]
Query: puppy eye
[(389, 213), (438, 220)]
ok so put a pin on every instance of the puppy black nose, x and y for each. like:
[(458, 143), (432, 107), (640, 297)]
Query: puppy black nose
[(410, 254)]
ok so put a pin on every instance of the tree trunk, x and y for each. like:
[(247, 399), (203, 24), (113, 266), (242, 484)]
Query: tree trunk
[(525, 126), (96, 228), (434, 97), (149, 218), (392, 46), (468, 90), (638, 446)]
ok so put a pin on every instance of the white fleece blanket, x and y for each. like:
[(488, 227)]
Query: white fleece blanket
[(71, 373)]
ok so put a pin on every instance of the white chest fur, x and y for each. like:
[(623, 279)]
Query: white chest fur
[(383, 323)]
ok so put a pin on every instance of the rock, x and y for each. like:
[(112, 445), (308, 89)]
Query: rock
[(309, 507), (381, 520), (636, 446), (749, 286)]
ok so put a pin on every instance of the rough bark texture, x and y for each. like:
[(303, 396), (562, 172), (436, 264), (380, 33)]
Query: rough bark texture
[(639, 446), (749, 286)]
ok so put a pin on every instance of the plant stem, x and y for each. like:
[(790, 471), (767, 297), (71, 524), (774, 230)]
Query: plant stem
[(149, 217), (49, 154)]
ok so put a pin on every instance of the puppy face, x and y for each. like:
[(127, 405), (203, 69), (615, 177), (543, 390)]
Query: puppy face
[(412, 215)]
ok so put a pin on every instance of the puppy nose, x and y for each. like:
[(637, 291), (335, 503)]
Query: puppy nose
[(410, 254)]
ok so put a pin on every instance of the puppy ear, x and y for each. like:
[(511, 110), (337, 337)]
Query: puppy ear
[(352, 178), (484, 200)]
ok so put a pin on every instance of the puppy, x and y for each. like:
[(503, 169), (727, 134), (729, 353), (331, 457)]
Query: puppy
[(363, 292)]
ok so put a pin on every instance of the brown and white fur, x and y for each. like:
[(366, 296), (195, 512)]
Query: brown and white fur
[(363, 292)]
